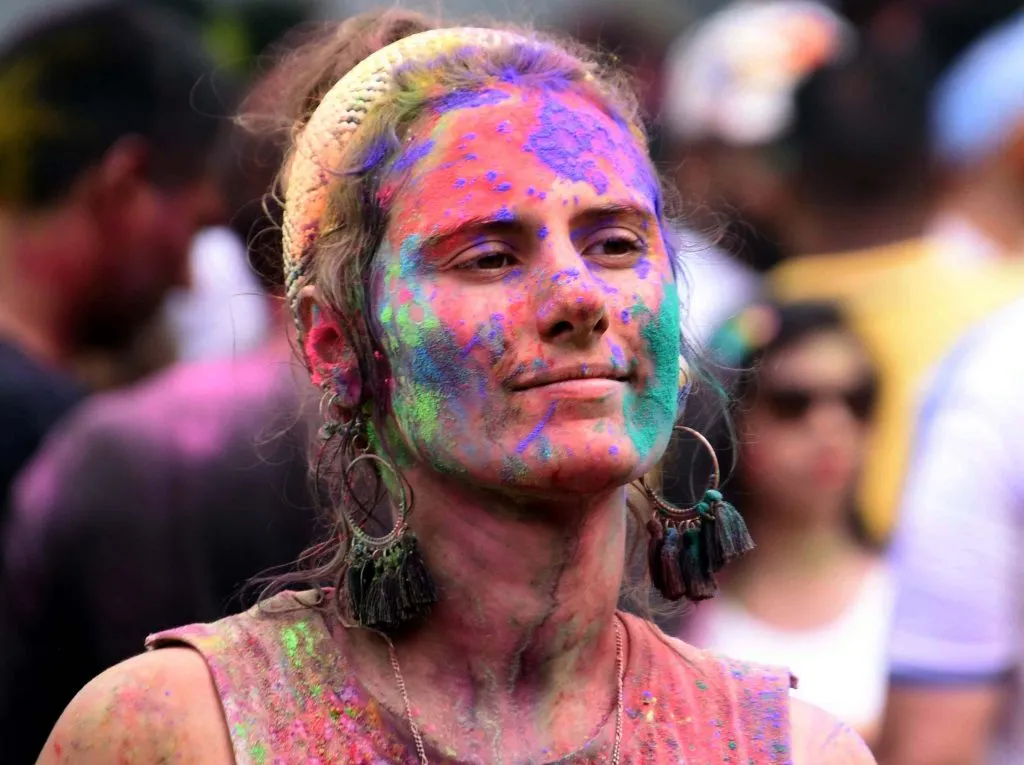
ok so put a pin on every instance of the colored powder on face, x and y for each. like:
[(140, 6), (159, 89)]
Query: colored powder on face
[(491, 176), (565, 140), (503, 187), (542, 232), (566, 276), (469, 99), (535, 433), (625, 316), (505, 127), (513, 469), (505, 215), (650, 414), (459, 183), (613, 450), (417, 151), (409, 256), (643, 267)]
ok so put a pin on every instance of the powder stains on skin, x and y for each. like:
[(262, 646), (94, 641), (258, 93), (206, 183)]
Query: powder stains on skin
[(648, 412)]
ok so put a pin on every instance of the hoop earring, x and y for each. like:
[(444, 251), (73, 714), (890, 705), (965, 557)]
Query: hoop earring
[(688, 546), (387, 581), (331, 423)]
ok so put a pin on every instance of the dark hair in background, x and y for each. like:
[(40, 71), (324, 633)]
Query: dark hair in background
[(860, 134), (77, 81), (738, 375)]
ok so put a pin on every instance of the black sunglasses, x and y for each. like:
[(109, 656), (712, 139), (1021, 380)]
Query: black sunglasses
[(794, 403)]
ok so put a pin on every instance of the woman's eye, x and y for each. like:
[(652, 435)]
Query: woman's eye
[(615, 244), (489, 262)]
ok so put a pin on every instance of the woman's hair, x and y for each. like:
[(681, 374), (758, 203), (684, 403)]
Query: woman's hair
[(339, 262), (745, 341)]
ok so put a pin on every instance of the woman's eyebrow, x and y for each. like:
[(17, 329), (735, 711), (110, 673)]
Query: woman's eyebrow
[(503, 222), (599, 214)]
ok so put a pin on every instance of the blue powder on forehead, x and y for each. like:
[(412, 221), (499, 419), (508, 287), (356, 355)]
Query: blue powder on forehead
[(566, 141), (459, 183), (505, 127), (505, 215), (417, 151), (491, 176), (468, 99), (503, 187)]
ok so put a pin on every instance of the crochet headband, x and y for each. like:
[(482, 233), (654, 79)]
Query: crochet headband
[(320, 146)]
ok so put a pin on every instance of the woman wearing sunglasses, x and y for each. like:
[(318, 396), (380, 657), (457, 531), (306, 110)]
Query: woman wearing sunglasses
[(813, 595)]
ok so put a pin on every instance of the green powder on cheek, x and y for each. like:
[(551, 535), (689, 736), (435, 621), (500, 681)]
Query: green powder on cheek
[(650, 412)]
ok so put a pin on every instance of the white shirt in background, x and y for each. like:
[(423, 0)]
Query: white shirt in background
[(842, 667), (225, 313), (957, 553)]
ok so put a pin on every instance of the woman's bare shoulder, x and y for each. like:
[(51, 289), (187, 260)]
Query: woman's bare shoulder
[(820, 739), (157, 707)]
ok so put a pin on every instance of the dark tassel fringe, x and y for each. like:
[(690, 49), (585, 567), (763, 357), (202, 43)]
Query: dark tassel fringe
[(390, 590), (672, 573), (700, 584), (656, 540), (684, 563), (734, 539)]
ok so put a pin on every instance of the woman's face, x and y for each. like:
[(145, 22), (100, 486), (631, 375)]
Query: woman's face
[(525, 296), (805, 429)]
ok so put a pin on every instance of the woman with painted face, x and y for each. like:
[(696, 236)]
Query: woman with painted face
[(474, 255), (814, 589)]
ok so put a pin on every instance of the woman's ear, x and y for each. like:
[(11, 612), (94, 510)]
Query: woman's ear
[(333, 364)]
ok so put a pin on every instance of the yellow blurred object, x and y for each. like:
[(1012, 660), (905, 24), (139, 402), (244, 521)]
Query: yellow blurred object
[(910, 309)]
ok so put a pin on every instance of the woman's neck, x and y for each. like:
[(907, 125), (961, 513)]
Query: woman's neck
[(524, 630)]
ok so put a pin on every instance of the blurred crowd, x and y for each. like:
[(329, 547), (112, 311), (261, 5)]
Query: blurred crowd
[(849, 206)]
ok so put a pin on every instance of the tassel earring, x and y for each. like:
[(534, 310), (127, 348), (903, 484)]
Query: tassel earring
[(387, 581), (688, 546)]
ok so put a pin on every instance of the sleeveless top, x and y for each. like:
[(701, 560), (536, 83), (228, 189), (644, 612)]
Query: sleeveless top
[(289, 697)]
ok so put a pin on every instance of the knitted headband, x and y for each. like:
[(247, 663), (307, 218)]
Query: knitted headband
[(320, 146)]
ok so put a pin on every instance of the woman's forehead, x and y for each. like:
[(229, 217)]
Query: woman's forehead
[(482, 152)]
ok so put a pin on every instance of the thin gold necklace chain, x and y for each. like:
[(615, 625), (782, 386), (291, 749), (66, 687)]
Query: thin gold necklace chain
[(620, 676)]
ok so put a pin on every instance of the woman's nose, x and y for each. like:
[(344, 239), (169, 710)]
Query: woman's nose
[(573, 310)]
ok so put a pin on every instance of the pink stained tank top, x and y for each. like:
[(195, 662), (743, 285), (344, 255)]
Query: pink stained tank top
[(289, 697)]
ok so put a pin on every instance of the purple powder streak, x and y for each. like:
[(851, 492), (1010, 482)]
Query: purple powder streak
[(469, 347), (536, 430), (413, 154), (469, 99), (542, 232), (643, 268)]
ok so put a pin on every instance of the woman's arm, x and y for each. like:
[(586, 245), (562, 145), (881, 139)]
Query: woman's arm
[(157, 707)]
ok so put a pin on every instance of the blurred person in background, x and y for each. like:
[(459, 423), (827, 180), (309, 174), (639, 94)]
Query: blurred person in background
[(728, 108), (223, 313), (813, 590), (105, 141), (957, 687), (978, 136), (153, 505), (862, 195)]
